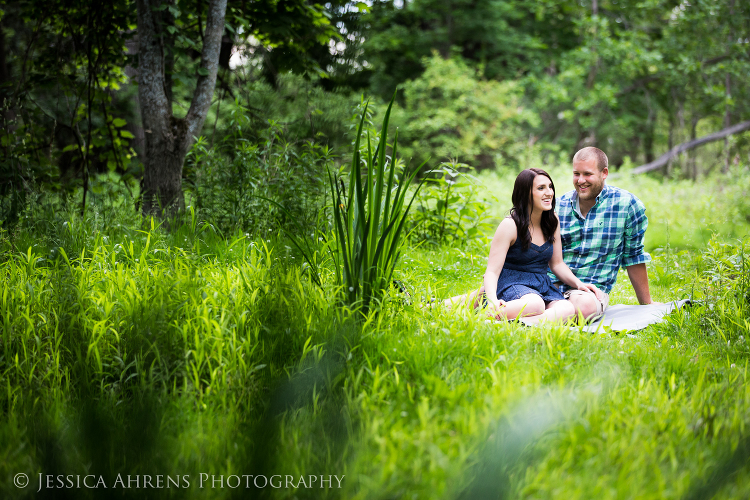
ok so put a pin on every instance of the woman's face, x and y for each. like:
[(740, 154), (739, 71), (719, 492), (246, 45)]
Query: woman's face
[(542, 194)]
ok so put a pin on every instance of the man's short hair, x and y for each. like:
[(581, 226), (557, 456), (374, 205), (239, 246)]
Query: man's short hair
[(592, 153)]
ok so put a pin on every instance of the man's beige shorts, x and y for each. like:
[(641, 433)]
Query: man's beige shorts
[(601, 304)]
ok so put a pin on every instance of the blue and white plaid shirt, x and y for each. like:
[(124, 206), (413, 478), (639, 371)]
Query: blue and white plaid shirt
[(609, 237)]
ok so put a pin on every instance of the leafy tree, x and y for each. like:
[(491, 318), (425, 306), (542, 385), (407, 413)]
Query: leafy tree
[(67, 69), (450, 112), (505, 38), (644, 73), (62, 64)]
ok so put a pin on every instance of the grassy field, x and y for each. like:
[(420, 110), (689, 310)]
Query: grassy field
[(128, 350), (682, 214)]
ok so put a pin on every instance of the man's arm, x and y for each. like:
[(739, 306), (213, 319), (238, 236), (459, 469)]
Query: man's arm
[(639, 279), (634, 257)]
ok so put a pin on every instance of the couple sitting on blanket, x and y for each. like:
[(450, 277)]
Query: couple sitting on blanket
[(597, 229)]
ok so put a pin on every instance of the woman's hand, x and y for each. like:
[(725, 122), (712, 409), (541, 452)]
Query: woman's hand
[(495, 309), (588, 287)]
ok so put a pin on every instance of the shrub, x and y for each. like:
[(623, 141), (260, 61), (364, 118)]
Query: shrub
[(298, 104), (228, 183), (450, 113), (450, 207)]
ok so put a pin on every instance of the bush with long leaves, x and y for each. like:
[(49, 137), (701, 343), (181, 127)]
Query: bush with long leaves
[(369, 223)]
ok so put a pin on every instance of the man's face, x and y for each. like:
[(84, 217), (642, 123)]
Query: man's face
[(587, 179)]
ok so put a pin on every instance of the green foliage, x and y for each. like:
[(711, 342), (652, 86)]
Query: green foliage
[(643, 77), (230, 183), (17, 173), (369, 221), (126, 349), (289, 35), (501, 38), (451, 112), (61, 87), (633, 79), (450, 208), (298, 105)]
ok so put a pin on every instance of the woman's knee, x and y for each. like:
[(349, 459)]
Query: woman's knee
[(534, 304), (566, 308), (585, 304)]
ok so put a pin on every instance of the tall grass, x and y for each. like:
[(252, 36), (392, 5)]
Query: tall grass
[(125, 349)]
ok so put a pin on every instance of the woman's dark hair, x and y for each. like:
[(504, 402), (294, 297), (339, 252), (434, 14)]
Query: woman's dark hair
[(522, 202)]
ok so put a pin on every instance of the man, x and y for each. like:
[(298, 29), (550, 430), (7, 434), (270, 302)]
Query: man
[(602, 229)]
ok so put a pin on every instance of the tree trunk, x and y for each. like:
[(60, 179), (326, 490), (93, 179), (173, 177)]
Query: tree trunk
[(162, 179), (727, 123), (670, 141), (692, 160), (168, 139), (648, 137), (648, 143)]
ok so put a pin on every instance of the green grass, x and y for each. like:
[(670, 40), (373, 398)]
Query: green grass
[(135, 351), (682, 214)]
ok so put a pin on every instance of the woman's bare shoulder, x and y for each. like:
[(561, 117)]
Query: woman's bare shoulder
[(508, 222), (507, 229)]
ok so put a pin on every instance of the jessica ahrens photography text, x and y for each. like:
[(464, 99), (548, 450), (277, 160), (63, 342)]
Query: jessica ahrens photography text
[(202, 480)]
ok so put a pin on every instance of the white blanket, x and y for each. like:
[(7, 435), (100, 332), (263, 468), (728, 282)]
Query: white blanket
[(622, 317)]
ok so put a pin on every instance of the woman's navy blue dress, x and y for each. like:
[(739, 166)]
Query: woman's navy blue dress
[(526, 272)]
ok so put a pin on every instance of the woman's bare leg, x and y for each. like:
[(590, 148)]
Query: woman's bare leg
[(557, 311), (530, 304), (585, 303), (467, 298)]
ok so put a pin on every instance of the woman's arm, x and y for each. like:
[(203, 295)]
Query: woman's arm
[(505, 236), (560, 269)]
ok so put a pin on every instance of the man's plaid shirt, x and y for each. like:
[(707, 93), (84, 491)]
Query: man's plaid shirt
[(609, 237)]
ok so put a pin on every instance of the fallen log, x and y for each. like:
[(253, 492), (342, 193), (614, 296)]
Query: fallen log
[(685, 146)]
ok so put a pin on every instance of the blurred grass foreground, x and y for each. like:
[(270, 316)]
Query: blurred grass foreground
[(130, 350)]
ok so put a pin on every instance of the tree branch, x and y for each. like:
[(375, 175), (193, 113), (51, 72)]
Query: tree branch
[(685, 146), (204, 89)]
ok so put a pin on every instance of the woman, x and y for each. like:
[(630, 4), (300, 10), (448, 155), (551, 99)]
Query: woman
[(525, 244)]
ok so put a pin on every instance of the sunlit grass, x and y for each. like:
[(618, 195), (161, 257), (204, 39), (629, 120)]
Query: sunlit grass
[(682, 214), (223, 353)]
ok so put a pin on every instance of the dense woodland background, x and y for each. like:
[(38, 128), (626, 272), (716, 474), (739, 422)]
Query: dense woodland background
[(489, 84), (209, 263)]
